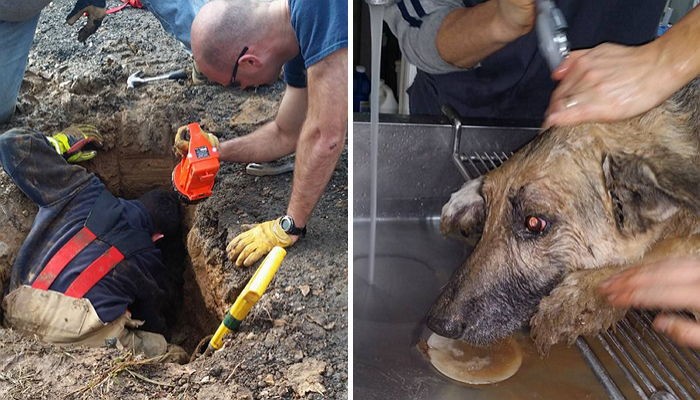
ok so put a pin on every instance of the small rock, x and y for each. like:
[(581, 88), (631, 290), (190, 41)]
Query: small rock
[(279, 322), (305, 376), (329, 326), (305, 289), (298, 355)]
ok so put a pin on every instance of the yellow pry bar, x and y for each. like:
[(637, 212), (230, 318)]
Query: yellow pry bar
[(249, 296)]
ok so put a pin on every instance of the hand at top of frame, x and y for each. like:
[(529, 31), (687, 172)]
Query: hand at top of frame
[(607, 83), (519, 15), (95, 12)]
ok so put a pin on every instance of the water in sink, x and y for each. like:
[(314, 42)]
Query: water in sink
[(413, 262)]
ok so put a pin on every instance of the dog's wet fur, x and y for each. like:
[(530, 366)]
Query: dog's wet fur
[(573, 207)]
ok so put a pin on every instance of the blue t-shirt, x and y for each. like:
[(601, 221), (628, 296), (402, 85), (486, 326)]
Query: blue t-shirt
[(321, 27)]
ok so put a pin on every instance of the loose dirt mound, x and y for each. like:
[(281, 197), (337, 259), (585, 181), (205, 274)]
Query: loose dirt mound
[(294, 342)]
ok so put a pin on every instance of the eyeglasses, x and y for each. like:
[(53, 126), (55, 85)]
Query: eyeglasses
[(235, 65)]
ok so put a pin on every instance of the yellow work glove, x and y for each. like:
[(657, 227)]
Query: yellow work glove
[(182, 141), (72, 141), (251, 245)]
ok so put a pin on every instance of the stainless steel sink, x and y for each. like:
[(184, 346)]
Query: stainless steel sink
[(420, 164), (413, 262)]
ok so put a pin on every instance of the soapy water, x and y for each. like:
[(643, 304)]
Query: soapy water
[(474, 365)]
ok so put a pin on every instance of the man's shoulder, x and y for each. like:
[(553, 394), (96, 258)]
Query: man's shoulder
[(321, 28), (318, 11)]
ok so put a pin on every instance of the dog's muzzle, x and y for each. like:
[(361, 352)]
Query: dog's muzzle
[(446, 327)]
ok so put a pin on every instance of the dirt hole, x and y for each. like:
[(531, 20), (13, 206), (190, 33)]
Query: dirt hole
[(129, 174)]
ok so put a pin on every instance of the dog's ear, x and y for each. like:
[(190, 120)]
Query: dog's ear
[(644, 194), (464, 213)]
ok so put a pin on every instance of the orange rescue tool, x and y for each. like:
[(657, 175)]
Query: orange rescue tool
[(193, 177)]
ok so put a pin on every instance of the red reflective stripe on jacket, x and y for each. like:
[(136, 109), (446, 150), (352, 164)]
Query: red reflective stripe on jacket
[(94, 272), (62, 257)]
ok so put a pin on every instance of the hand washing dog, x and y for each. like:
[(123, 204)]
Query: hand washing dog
[(570, 209)]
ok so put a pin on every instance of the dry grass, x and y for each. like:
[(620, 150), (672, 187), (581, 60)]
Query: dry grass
[(101, 384)]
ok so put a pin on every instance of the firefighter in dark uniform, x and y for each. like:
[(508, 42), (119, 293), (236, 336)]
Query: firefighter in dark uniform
[(89, 272)]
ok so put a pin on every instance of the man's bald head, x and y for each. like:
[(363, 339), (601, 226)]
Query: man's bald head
[(219, 32)]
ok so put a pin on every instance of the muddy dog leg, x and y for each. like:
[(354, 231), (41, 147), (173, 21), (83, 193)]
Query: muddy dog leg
[(575, 307)]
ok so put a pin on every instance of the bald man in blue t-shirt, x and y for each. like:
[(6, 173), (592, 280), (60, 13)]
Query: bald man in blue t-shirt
[(239, 42)]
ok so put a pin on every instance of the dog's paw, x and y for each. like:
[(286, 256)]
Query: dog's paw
[(572, 309)]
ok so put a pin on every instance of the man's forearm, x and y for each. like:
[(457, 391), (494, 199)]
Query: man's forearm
[(273, 140), (322, 135), (317, 154), (267, 143), (468, 35)]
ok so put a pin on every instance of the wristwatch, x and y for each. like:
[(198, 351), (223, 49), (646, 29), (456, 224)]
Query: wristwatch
[(287, 224)]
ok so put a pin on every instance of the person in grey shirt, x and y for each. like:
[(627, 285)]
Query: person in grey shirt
[(482, 58)]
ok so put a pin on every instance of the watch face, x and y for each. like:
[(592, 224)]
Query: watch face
[(286, 223)]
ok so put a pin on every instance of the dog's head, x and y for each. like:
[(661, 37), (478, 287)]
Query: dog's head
[(567, 201)]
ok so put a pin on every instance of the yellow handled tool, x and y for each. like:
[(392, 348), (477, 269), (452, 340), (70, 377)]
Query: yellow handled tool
[(248, 297)]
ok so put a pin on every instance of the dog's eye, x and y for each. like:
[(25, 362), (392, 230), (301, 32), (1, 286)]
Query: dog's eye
[(535, 224)]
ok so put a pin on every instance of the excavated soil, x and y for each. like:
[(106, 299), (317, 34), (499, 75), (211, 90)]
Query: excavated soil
[(294, 342)]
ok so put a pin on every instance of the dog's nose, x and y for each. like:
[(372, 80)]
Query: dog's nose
[(447, 327)]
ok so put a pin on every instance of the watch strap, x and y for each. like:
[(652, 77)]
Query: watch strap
[(294, 230)]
